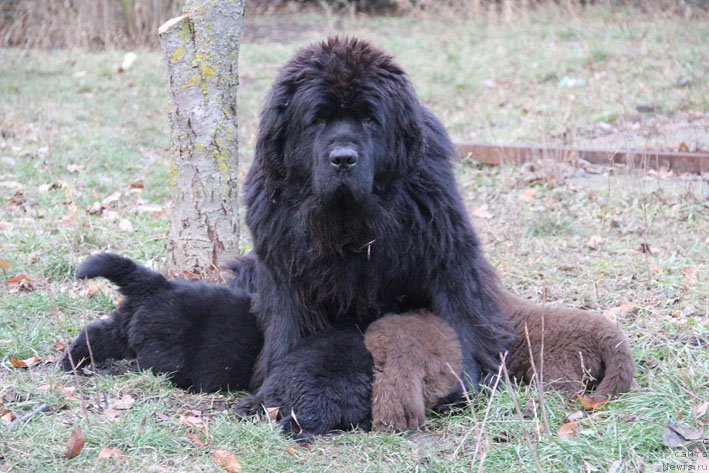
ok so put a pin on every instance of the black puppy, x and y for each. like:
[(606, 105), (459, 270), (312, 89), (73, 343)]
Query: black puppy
[(204, 335), (324, 384)]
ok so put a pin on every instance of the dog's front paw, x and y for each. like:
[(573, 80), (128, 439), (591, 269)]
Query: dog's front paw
[(291, 427), (398, 414), (73, 359), (249, 406)]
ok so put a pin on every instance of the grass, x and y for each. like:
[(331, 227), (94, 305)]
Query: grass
[(73, 132)]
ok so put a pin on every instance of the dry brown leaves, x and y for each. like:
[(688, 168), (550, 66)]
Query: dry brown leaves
[(681, 435), (26, 363), (75, 444), (591, 403), (114, 453), (227, 461), (122, 404), (21, 283)]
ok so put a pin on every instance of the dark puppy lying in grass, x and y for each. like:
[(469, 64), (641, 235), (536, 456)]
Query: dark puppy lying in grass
[(204, 335)]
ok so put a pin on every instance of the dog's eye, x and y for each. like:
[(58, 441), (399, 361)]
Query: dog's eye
[(320, 121), (369, 120)]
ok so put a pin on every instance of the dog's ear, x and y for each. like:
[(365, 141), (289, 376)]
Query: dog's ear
[(272, 134), (403, 121)]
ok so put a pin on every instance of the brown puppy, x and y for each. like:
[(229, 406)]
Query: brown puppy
[(412, 353), (416, 360), (582, 350)]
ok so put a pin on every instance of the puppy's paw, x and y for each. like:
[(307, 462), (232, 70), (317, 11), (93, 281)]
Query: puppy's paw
[(398, 415), (249, 406), (291, 427), (76, 361)]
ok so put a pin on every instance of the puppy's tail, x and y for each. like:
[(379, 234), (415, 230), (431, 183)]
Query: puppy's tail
[(132, 279), (617, 360)]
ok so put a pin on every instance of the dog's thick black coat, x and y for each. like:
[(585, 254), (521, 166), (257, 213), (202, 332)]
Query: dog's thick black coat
[(203, 334), (354, 209), (324, 384)]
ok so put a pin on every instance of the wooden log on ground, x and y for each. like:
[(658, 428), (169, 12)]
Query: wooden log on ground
[(634, 159)]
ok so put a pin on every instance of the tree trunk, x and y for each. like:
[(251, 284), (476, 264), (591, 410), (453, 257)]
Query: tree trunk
[(201, 50)]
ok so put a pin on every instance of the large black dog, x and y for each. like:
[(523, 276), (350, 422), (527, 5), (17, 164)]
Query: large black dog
[(204, 335), (354, 210)]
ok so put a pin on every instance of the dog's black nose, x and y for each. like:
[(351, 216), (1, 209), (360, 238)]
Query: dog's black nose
[(343, 158)]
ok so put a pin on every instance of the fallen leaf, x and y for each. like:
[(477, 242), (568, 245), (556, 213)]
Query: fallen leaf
[(128, 61), (575, 416), (125, 226), (96, 208), (4, 264), (21, 279), (163, 417), (112, 415), (26, 363), (227, 461), (615, 466), (68, 218), (7, 417), (591, 403), (192, 419), (679, 435), (623, 310), (75, 444), (137, 184), (700, 411), (60, 345), (595, 242), (588, 468), (44, 188), (122, 404), (106, 452), (69, 392), (290, 451), (195, 440), (96, 287), (272, 413), (115, 197), (481, 212), (568, 430), (528, 194)]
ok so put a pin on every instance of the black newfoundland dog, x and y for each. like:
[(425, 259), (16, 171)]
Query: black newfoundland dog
[(203, 335), (354, 210)]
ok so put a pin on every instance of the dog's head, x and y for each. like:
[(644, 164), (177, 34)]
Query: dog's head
[(341, 120)]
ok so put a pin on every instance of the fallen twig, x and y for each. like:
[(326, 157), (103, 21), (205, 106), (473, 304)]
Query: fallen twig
[(27, 417)]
